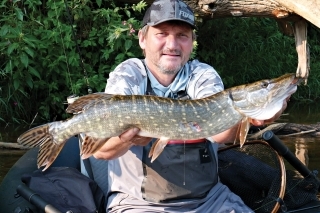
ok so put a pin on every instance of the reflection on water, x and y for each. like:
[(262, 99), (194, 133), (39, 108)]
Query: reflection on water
[(301, 148), (9, 156), (306, 150), (302, 113)]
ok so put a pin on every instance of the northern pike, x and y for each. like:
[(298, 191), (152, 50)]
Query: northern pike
[(102, 116)]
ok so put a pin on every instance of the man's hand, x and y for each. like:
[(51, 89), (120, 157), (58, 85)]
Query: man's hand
[(275, 117), (117, 146), (130, 136)]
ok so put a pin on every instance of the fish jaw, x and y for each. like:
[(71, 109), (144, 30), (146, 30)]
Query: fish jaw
[(263, 99)]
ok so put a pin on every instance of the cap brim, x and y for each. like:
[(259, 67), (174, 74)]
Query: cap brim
[(171, 19)]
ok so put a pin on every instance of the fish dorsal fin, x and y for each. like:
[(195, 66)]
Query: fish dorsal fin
[(87, 101)]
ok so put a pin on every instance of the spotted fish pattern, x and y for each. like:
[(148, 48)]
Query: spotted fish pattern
[(101, 116)]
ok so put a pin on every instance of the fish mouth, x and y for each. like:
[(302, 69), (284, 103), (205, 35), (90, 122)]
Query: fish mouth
[(295, 82)]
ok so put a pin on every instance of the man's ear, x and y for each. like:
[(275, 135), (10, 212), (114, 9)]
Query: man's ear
[(141, 40)]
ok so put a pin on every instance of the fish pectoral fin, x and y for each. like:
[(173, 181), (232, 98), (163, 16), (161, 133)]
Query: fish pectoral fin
[(90, 145), (48, 152), (158, 147), (152, 148), (244, 129)]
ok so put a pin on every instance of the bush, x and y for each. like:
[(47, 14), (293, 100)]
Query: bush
[(52, 50)]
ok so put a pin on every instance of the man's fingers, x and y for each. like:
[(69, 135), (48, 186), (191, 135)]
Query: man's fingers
[(141, 141), (129, 134)]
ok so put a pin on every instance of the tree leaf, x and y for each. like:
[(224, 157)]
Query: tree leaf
[(99, 2), (24, 59), (4, 30), (12, 47), (34, 72), (19, 13), (29, 51), (16, 84), (127, 44)]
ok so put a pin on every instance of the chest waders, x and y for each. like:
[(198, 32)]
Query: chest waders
[(182, 171)]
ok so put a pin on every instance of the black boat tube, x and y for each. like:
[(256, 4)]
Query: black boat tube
[(284, 151), (35, 199)]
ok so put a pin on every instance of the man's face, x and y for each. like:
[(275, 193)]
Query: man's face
[(167, 47)]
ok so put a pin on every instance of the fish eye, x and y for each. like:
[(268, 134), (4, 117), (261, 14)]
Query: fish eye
[(264, 84)]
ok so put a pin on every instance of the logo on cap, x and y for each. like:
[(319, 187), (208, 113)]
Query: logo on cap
[(167, 10)]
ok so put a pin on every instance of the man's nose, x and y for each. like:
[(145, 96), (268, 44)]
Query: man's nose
[(171, 42)]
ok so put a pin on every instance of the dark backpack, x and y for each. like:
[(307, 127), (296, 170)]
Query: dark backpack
[(67, 189)]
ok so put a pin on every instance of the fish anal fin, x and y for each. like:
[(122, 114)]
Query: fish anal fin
[(84, 102), (90, 145), (158, 147)]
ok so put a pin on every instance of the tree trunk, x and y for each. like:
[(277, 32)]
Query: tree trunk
[(283, 11), (279, 9), (288, 129), (308, 9), (8, 145)]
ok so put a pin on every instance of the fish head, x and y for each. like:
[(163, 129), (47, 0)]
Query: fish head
[(261, 100)]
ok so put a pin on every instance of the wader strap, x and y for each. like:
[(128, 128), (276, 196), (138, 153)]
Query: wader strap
[(181, 94)]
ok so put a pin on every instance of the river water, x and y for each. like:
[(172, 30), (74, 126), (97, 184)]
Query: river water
[(306, 148)]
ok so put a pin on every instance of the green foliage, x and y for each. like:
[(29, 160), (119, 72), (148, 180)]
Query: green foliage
[(40, 64), (244, 50)]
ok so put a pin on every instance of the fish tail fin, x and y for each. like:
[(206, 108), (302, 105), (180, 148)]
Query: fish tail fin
[(90, 145), (41, 136), (48, 152), (35, 136)]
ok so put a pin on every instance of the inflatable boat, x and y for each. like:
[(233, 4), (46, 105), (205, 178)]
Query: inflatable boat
[(17, 197)]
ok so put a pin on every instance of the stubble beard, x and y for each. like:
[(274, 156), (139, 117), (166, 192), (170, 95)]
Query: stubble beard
[(167, 68)]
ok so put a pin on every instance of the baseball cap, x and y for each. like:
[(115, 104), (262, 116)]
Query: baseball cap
[(167, 10)]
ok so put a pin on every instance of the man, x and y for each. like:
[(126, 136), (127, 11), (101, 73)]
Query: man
[(184, 177)]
